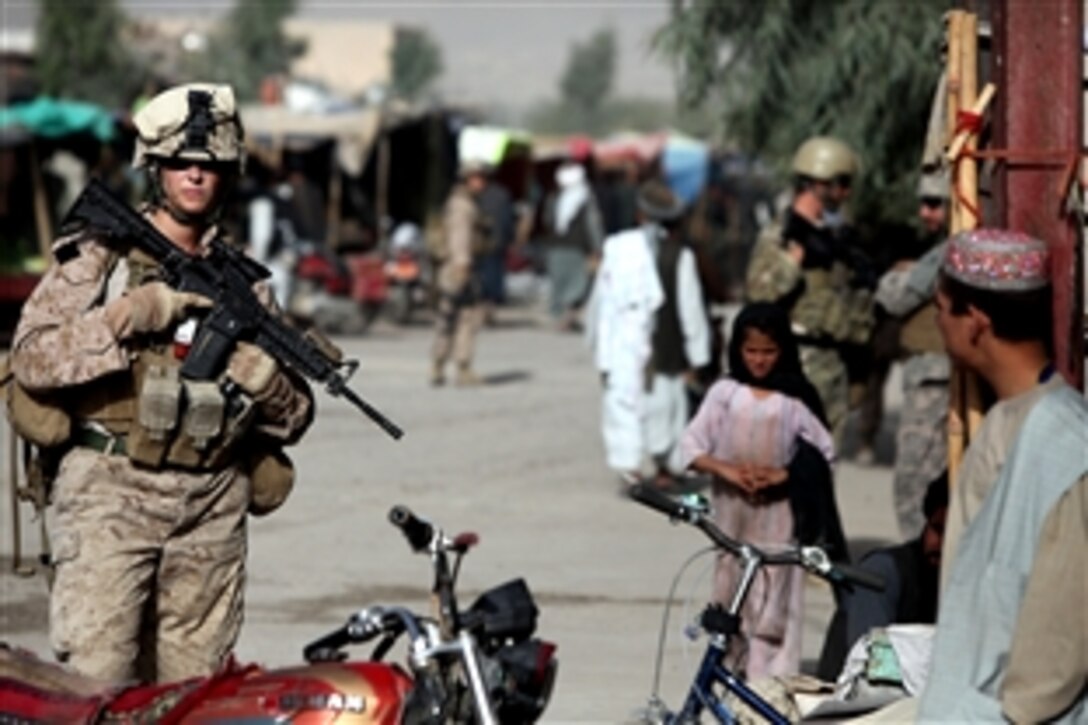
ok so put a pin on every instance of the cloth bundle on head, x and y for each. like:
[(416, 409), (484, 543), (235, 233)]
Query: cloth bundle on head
[(998, 260), (573, 194)]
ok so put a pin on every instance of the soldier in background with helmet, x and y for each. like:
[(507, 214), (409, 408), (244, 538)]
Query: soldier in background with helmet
[(148, 523), (466, 235), (907, 293), (797, 262)]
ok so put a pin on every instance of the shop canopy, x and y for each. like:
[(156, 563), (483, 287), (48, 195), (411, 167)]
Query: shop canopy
[(47, 117), (490, 144), (561, 148), (641, 148), (271, 129)]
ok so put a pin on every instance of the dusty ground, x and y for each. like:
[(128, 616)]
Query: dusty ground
[(520, 462)]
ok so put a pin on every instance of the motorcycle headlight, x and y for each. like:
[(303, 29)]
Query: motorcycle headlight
[(522, 680)]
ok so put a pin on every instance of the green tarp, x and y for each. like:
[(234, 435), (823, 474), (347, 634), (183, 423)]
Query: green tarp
[(51, 118)]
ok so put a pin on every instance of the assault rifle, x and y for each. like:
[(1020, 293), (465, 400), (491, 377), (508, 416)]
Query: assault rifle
[(226, 276)]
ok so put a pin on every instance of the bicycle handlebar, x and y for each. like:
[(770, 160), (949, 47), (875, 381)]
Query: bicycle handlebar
[(418, 532), (812, 558), (854, 575)]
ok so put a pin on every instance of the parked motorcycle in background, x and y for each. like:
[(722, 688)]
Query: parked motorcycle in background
[(480, 665), (405, 273)]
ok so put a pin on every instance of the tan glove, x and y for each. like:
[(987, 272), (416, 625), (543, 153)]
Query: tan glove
[(151, 307), (252, 369)]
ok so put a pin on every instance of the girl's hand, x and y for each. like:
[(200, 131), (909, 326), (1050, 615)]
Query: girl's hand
[(739, 476), (765, 477)]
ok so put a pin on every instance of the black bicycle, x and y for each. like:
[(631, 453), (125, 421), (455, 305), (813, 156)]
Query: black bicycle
[(714, 679)]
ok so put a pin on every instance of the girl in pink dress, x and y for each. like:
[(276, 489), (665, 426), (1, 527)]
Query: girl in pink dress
[(747, 430)]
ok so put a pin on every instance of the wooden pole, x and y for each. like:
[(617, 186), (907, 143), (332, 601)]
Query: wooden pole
[(43, 220), (957, 418), (968, 192)]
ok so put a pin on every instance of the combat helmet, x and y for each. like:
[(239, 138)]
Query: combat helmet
[(824, 158), (197, 121)]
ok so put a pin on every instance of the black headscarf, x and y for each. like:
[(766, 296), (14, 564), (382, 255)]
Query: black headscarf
[(786, 376), (810, 484)]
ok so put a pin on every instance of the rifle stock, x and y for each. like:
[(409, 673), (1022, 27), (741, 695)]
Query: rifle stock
[(226, 276)]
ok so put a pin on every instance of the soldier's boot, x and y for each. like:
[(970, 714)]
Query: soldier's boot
[(438, 373), (467, 378)]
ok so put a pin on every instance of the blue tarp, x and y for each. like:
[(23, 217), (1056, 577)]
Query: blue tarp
[(52, 118), (686, 163)]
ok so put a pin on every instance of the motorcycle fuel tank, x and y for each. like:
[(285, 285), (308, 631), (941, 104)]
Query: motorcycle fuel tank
[(349, 693)]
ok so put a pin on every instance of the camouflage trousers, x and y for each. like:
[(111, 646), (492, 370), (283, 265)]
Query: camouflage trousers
[(825, 369), (150, 568), (921, 450), (458, 319)]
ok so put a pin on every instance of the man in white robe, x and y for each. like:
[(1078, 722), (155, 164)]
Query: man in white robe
[(647, 324)]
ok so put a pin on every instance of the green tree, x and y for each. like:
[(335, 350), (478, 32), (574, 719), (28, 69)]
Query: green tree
[(81, 54), (780, 71), (251, 45), (587, 80), (417, 62)]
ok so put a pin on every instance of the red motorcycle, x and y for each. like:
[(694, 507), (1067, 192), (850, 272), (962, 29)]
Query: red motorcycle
[(480, 665)]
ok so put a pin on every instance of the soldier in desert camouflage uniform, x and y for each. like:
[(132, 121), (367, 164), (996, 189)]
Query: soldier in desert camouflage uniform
[(796, 263), (466, 236), (906, 292), (148, 518)]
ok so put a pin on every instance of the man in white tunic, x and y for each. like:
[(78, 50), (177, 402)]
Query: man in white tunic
[(648, 327)]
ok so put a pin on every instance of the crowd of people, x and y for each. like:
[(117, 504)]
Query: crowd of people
[(149, 498)]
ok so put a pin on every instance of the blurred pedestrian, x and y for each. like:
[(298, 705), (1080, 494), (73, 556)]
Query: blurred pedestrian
[(497, 207), (748, 429), (573, 246), (465, 236), (797, 263), (649, 330), (906, 293)]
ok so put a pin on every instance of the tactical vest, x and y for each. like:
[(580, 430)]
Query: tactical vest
[(166, 421), (669, 357), (919, 332)]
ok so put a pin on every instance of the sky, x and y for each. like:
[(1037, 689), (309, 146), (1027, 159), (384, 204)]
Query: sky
[(508, 52)]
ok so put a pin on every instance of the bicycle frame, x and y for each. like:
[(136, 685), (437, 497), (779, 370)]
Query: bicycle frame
[(722, 625), (711, 670)]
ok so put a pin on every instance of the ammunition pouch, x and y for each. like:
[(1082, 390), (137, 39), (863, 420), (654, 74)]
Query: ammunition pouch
[(37, 418), (184, 423), (272, 476)]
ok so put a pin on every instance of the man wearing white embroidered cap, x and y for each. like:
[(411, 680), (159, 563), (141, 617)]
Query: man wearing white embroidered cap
[(1010, 640)]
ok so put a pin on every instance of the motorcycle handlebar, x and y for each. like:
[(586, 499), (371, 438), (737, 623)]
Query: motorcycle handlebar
[(418, 532), (327, 648)]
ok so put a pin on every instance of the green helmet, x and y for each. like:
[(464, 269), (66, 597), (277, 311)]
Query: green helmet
[(824, 158), (196, 121)]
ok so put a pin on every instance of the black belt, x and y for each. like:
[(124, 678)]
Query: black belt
[(99, 441)]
